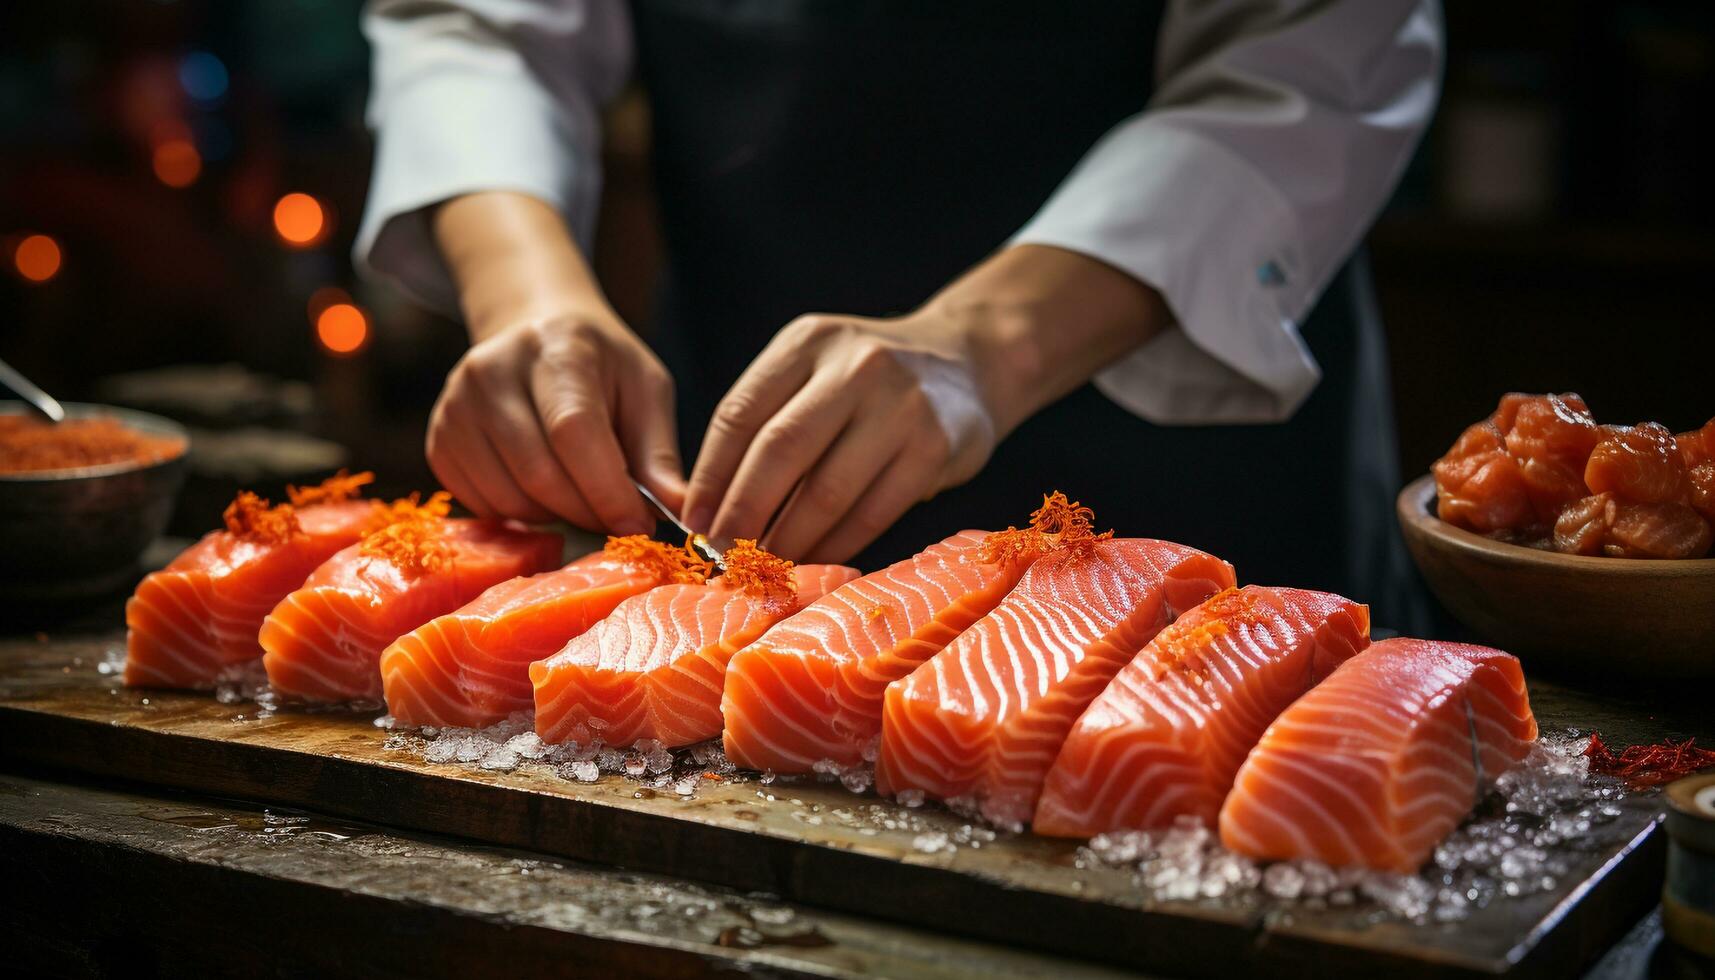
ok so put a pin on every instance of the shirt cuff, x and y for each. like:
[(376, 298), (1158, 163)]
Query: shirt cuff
[(459, 130), (1192, 219)]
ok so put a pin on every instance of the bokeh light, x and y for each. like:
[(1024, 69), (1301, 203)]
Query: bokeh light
[(177, 162), (299, 220), (342, 329), (203, 76), (37, 258)]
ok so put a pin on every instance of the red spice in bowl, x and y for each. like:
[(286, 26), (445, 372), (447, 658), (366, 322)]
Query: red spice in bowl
[(29, 445)]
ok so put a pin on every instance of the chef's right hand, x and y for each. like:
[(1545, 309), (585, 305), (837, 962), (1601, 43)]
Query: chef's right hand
[(557, 404)]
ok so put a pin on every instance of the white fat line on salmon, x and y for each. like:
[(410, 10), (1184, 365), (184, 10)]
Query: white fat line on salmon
[(1476, 752)]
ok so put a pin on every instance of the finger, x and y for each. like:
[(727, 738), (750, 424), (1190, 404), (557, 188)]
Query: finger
[(650, 436), (510, 429), (783, 451), (766, 385), (908, 479), (833, 486), (578, 433), (488, 474), (443, 462)]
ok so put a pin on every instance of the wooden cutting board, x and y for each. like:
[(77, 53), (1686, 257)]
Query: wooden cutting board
[(806, 841)]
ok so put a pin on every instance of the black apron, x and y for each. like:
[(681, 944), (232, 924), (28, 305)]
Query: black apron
[(854, 156)]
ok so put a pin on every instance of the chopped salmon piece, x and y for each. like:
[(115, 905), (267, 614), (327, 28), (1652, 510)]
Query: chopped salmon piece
[(1479, 486), (1604, 524), (1639, 464), (1550, 437), (1697, 451)]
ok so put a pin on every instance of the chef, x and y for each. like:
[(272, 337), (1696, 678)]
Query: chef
[(925, 261)]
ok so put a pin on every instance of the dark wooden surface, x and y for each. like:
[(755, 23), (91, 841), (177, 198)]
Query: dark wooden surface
[(58, 711), (191, 886)]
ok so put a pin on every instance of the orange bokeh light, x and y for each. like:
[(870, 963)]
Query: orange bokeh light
[(299, 220), (342, 328), (37, 258), (177, 162)]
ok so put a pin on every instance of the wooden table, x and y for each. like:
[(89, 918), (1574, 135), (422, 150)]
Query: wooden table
[(329, 866)]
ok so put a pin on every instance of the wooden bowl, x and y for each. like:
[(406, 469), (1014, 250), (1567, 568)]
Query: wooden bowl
[(1612, 616)]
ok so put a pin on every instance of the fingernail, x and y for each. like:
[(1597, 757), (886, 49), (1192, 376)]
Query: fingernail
[(698, 520)]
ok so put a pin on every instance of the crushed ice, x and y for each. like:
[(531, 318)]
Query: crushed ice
[(1521, 840), (513, 744)]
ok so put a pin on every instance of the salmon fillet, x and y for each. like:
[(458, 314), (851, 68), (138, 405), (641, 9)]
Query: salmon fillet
[(656, 666), (471, 667), (982, 721), (811, 688), (198, 616), (1165, 739), (1380, 761), (323, 642)]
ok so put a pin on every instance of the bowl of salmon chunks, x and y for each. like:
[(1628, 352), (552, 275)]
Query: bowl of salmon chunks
[(1575, 544)]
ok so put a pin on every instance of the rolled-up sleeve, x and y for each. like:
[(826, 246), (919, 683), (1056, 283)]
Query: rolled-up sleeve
[(1275, 135), (472, 95)]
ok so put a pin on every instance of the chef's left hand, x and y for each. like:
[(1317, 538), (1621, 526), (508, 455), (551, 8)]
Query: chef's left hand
[(847, 421)]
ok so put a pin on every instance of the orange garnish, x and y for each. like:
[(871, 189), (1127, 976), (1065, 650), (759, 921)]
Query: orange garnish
[(439, 505), (340, 486), (665, 562), (1176, 645), (416, 547), (411, 535), (1058, 523), (250, 517), (759, 574)]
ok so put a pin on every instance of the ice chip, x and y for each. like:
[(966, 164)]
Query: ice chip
[(857, 779), (658, 759)]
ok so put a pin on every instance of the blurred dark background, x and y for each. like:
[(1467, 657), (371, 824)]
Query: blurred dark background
[(180, 182)]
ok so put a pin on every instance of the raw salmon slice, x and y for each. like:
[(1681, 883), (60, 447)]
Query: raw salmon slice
[(1380, 761), (191, 621), (471, 667), (655, 667), (1165, 739), (811, 688), (981, 722), (323, 642)]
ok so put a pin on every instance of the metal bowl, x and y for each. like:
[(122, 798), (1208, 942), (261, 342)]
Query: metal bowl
[(79, 532), (1602, 617)]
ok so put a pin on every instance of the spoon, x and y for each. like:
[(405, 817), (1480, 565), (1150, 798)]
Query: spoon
[(38, 399), (709, 549)]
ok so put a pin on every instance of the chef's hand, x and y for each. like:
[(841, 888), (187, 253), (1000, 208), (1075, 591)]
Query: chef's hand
[(843, 423), (557, 403)]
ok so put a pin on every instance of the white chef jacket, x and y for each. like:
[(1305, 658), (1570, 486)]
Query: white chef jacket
[(1276, 131)]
